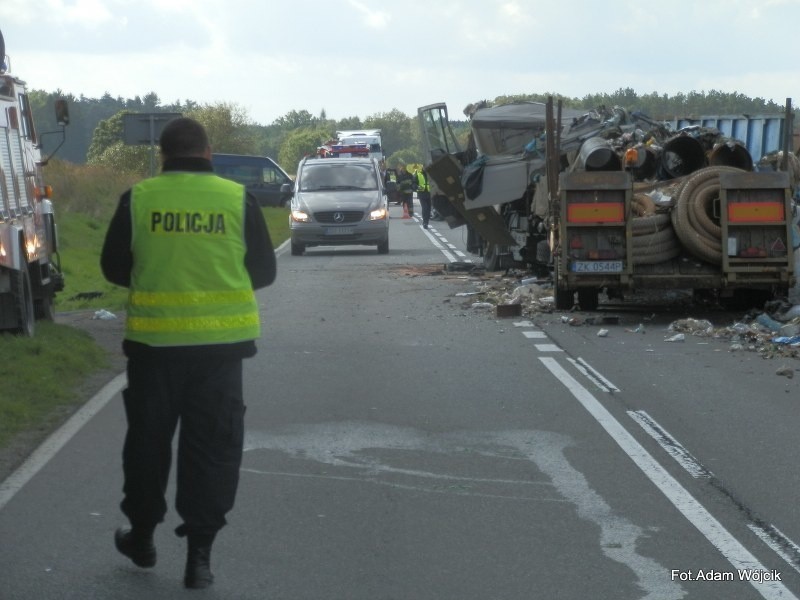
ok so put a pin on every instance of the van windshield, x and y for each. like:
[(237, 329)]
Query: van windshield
[(332, 176)]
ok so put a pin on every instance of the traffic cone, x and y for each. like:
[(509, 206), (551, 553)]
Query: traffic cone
[(405, 211)]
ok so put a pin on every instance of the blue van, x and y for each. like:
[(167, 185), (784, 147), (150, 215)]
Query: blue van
[(261, 175)]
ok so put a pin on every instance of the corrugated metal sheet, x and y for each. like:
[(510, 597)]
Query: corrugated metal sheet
[(761, 134)]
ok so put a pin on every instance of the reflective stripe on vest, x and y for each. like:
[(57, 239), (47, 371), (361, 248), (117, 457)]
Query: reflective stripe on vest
[(189, 284)]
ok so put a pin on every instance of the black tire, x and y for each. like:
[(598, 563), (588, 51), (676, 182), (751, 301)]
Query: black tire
[(22, 296), (383, 247), (298, 249), (45, 307), (491, 257), (588, 299)]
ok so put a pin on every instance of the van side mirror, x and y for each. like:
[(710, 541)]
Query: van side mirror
[(287, 188)]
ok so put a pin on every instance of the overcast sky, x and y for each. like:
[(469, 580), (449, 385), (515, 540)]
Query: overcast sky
[(362, 57)]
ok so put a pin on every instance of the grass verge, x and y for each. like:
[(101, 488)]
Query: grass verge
[(41, 375)]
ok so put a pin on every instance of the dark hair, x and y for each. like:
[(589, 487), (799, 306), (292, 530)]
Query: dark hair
[(183, 137)]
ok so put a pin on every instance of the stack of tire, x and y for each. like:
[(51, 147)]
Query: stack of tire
[(654, 239)]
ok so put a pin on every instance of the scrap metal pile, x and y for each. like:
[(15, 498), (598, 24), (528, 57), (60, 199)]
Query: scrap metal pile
[(676, 177)]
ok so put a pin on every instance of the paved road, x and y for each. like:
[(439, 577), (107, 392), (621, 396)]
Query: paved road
[(403, 445)]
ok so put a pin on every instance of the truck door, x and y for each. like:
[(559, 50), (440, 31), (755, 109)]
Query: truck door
[(444, 163)]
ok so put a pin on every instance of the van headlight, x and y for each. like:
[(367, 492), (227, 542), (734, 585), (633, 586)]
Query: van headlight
[(299, 216), (378, 214)]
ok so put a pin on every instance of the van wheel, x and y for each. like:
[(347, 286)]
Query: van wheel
[(383, 247), (298, 249)]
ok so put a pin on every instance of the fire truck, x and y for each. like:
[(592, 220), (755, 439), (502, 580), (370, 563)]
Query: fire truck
[(30, 272), (352, 143)]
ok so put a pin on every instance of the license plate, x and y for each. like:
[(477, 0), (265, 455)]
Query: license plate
[(339, 231), (596, 266)]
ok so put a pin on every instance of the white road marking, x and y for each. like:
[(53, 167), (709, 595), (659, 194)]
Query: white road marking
[(548, 348), (535, 335), (50, 447), (443, 244), (360, 450), (777, 541), (591, 374), (733, 551), (670, 445)]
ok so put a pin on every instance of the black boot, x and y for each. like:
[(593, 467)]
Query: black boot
[(137, 544), (198, 562)]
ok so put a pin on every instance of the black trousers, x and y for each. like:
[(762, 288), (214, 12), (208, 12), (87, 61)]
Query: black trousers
[(204, 396), (425, 205)]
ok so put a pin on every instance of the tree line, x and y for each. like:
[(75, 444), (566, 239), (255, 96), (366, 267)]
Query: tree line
[(95, 133)]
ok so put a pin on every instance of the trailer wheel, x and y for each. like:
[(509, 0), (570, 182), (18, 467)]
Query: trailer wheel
[(22, 297)]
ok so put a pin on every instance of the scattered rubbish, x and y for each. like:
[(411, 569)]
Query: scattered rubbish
[(766, 321), (678, 337), (104, 315), (460, 266), (466, 294), (785, 372), (482, 305), (602, 333), (692, 326), (793, 341), (789, 330), (638, 329)]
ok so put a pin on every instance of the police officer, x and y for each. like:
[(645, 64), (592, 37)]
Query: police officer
[(191, 247), (423, 195)]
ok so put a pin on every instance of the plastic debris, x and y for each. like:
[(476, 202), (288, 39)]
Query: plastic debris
[(602, 333), (692, 326), (793, 341), (785, 372), (678, 337), (638, 329), (104, 315), (482, 305), (766, 321)]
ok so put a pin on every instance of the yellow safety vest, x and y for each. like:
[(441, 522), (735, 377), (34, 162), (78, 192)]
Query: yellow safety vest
[(189, 285), (422, 182)]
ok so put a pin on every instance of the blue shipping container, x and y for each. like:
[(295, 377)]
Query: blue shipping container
[(761, 134)]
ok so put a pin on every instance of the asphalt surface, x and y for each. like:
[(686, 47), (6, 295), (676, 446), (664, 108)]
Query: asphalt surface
[(402, 444)]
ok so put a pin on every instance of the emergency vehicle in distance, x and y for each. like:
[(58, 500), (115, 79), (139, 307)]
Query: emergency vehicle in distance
[(364, 143), (30, 270)]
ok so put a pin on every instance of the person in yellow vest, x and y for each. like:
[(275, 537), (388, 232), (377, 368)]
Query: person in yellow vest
[(423, 195), (191, 247)]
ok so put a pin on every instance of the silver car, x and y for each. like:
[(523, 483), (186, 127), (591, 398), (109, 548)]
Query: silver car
[(339, 201)]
